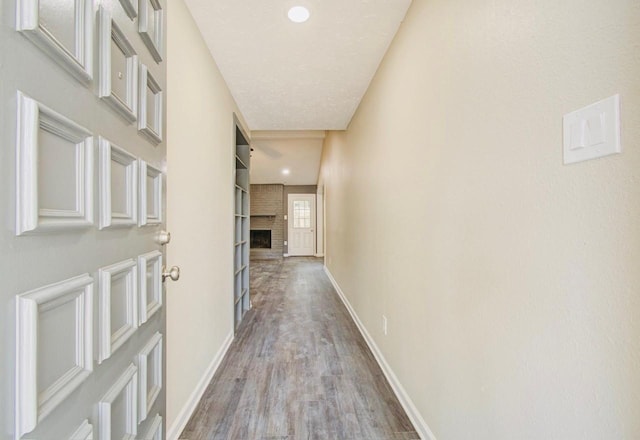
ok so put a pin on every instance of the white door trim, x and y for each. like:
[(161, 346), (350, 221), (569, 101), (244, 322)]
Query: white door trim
[(319, 224)]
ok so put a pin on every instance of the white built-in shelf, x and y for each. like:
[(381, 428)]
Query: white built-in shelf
[(239, 298), (241, 269), (240, 165), (242, 299)]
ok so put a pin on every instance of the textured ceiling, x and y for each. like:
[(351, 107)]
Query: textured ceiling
[(297, 151), (288, 76)]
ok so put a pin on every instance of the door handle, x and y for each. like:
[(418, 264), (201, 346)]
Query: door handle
[(163, 237), (173, 273)]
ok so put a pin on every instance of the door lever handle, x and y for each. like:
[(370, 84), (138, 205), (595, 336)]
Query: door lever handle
[(173, 273)]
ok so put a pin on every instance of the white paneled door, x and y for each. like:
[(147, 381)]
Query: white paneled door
[(82, 197), (302, 224)]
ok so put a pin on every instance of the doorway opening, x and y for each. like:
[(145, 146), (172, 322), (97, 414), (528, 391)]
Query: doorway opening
[(302, 225)]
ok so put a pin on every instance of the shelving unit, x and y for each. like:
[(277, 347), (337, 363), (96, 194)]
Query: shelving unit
[(241, 294)]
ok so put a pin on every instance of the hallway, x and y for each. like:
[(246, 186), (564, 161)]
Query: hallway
[(298, 368)]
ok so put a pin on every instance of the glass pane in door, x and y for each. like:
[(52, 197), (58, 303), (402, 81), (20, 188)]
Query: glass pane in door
[(301, 214)]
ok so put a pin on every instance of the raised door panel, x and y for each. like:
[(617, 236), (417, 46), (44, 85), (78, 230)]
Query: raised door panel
[(84, 432), (150, 375), (117, 409), (54, 170), (151, 27), (118, 186), (54, 330), (62, 30), (118, 67)]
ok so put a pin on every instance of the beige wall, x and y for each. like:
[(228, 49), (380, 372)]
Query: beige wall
[(200, 209), (510, 282)]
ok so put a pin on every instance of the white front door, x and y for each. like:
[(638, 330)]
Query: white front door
[(82, 187), (302, 224)]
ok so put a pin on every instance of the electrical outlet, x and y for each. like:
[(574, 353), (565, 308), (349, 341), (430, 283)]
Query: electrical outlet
[(384, 325), (285, 243)]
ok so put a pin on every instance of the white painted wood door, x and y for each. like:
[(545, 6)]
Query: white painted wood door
[(302, 224), (82, 187)]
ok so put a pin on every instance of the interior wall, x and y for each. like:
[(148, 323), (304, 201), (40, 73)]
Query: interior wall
[(200, 132), (509, 280)]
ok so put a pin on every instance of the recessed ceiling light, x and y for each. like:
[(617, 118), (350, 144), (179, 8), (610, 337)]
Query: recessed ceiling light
[(298, 14), (286, 172)]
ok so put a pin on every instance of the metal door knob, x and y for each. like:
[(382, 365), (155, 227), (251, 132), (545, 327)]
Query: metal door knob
[(163, 237), (173, 273)]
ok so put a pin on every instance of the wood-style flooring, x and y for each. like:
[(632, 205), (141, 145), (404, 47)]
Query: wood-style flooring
[(298, 368)]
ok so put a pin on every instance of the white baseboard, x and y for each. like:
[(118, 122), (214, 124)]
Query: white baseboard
[(285, 255), (187, 410), (319, 255), (416, 418)]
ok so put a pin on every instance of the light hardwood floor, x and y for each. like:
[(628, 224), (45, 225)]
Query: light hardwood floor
[(298, 368)]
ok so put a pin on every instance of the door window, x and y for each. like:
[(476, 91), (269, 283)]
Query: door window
[(301, 214)]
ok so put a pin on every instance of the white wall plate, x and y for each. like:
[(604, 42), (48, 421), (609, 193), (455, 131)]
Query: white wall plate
[(593, 131)]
